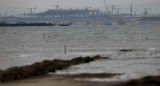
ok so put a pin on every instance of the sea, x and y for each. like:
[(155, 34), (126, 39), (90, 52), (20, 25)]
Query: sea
[(26, 45)]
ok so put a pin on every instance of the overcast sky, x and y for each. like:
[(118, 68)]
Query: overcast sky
[(43, 5)]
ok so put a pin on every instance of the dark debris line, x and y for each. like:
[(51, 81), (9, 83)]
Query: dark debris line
[(42, 68)]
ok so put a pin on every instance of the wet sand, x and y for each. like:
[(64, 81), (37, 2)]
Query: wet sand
[(61, 80), (71, 80)]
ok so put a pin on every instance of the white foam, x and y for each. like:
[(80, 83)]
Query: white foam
[(124, 77), (131, 68), (23, 55), (153, 52)]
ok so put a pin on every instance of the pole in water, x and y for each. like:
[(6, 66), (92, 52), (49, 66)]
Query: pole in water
[(48, 36), (43, 36), (65, 49)]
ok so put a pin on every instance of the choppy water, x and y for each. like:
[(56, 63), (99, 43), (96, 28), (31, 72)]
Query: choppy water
[(26, 45)]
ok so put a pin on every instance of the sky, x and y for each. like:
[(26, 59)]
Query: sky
[(43, 5)]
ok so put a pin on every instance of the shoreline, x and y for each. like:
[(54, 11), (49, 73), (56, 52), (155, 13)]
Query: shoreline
[(58, 80), (42, 68), (38, 74), (70, 80)]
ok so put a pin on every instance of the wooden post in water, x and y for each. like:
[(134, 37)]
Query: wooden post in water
[(43, 35), (65, 49), (48, 36)]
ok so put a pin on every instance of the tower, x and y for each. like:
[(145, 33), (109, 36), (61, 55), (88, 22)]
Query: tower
[(131, 10)]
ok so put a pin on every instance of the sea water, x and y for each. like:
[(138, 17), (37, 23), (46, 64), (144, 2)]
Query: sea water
[(26, 45)]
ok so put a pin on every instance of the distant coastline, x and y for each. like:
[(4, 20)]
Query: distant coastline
[(5, 24)]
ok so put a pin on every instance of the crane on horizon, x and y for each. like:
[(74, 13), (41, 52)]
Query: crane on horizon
[(57, 6)]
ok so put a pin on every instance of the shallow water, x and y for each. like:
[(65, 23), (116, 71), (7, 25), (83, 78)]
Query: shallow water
[(26, 45)]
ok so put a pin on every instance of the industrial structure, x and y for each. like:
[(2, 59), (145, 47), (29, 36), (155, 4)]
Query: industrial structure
[(86, 15), (70, 13)]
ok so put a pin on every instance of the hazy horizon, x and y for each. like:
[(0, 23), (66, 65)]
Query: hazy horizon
[(43, 5)]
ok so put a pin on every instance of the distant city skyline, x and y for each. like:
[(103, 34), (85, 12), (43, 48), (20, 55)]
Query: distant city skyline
[(43, 5)]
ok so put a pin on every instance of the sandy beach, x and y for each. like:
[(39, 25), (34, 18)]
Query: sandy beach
[(72, 80), (60, 80)]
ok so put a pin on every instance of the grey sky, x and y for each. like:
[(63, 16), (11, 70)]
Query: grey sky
[(43, 5)]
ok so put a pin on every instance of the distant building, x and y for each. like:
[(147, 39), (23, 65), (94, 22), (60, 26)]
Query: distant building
[(70, 13)]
